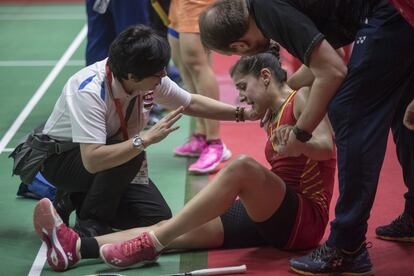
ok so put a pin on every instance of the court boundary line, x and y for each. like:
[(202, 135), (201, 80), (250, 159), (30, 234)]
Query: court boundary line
[(43, 88), (41, 17), (39, 63), (39, 261)]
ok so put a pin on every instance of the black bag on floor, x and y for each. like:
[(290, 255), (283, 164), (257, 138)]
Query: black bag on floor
[(29, 155)]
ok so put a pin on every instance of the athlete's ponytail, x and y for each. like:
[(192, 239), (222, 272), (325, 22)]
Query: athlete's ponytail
[(255, 63)]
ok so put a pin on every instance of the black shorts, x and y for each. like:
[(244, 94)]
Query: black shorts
[(241, 231)]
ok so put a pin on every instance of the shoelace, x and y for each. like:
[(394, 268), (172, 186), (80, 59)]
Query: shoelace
[(325, 250), (132, 246), (320, 252)]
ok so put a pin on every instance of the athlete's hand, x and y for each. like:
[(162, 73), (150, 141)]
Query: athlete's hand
[(409, 116), (280, 135), (293, 146), (266, 118), (251, 115), (163, 127)]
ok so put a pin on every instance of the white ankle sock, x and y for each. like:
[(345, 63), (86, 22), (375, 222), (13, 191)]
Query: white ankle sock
[(158, 246)]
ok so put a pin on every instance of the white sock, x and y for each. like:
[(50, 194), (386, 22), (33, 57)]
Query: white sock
[(158, 246)]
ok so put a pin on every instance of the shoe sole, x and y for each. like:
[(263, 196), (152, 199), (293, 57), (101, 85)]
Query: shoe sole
[(45, 223), (396, 239), (178, 154), (141, 264), (301, 272), (226, 156)]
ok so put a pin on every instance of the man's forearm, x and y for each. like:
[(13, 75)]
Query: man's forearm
[(322, 91), (329, 70)]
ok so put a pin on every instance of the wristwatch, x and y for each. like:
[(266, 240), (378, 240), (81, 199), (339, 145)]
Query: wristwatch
[(138, 142), (301, 135)]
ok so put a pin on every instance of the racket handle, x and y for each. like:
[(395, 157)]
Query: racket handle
[(220, 270)]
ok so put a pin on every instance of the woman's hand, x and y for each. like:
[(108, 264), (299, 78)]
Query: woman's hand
[(280, 135), (267, 117), (164, 127), (285, 141), (251, 115)]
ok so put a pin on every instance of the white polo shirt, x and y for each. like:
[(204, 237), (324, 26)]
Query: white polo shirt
[(85, 111)]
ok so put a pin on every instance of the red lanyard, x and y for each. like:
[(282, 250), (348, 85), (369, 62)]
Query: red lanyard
[(117, 102)]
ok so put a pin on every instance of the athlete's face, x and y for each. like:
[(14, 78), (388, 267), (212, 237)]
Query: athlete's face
[(252, 90)]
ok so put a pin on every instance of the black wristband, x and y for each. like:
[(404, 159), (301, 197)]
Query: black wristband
[(301, 135)]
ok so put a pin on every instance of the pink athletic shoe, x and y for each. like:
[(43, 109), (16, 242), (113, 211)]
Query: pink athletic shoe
[(132, 253), (210, 158), (63, 243), (193, 147)]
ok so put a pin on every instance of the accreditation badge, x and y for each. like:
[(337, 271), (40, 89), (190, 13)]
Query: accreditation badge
[(142, 175)]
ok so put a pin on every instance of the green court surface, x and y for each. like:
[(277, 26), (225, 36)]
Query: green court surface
[(34, 38)]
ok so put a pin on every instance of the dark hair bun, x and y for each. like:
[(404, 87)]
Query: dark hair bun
[(274, 49)]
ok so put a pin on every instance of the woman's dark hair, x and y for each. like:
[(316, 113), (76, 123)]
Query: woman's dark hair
[(139, 51), (223, 23), (251, 65)]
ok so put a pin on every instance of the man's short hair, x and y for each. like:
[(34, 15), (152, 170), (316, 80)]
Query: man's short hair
[(139, 51), (223, 23)]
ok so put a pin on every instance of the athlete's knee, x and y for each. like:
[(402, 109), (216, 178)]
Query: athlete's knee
[(194, 61), (243, 166)]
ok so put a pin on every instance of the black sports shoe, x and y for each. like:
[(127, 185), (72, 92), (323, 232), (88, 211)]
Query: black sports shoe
[(88, 228), (401, 229), (328, 260), (63, 205)]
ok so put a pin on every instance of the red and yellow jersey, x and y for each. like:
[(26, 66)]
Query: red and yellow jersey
[(312, 180)]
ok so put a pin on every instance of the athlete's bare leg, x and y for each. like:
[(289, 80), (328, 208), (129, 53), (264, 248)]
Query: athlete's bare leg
[(185, 76), (259, 189), (198, 224), (196, 60), (209, 235)]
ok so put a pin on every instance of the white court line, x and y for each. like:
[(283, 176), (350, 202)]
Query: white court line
[(40, 260), (35, 63), (8, 150), (21, 17), (42, 89)]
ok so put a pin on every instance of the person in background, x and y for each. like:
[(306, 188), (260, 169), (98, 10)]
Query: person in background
[(197, 74)]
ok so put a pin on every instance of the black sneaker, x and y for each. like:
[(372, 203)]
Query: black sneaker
[(401, 229), (88, 228), (326, 260), (63, 206)]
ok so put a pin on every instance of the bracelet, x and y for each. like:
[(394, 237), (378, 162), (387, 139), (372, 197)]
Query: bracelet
[(239, 114)]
